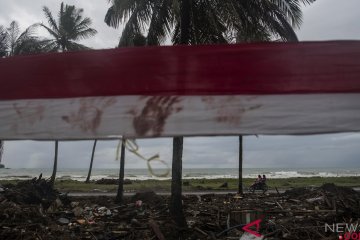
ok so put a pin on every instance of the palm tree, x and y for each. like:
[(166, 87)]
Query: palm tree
[(3, 42), (53, 175), (212, 21), (120, 191), (91, 162), (191, 22), (70, 28), (1, 153), (14, 42)]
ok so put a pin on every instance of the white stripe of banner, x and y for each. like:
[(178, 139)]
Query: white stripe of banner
[(154, 116)]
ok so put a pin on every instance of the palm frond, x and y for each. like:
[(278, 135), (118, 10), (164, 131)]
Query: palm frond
[(73, 46), (50, 45), (89, 32), (207, 21), (71, 27), (112, 19), (28, 47), (277, 23), (50, 19), (291, 10), (54, 34), (119, 11), (28, 33), (3, 42), (131, 29), (13, 33), (162, 22), (208, 27), (123, 10)]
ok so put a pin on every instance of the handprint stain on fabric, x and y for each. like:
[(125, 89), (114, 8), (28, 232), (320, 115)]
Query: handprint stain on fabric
[(151, 120), (89, 115), (28, 113), (225, 110)]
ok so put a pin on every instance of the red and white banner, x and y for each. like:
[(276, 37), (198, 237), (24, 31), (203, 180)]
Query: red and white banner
[(268, 88)]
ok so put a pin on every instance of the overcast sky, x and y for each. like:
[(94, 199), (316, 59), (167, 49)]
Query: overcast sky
[(324, 20)]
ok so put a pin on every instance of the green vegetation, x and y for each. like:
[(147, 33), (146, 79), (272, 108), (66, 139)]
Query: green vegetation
[(205, 22), (14, 42), (70, 28), (198, 184)]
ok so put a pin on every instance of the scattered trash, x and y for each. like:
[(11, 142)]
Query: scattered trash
[(248, 236), (63, 221), (110, 181), (74, 204), (78, 211), (138, 203), (81, 221), (300, 213)]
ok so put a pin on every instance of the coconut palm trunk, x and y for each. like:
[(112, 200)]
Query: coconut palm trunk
[(91, 162), (120, 192), (185, 21), (1, 153), (53, 175), (240, 188), (176, 207)]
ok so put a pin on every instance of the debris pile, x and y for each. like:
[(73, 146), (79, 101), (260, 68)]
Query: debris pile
[(111, 181), (33, 210), (302, 213), (34, 191)]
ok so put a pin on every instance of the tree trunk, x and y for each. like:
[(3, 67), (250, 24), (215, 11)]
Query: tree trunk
[(1, 153), (240, 188), (53, 176), (91, 162), (120, 192), (176, 208), (1, 149), (185, 21)]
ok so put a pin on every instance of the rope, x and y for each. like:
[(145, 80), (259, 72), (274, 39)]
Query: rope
[(133, 147)]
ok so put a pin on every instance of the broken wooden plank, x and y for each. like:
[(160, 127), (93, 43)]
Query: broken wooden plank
[(155, 227)]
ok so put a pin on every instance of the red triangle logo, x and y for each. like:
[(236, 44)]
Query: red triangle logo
[(256, 223)]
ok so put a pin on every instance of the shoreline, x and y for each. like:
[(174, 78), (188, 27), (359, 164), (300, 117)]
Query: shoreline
[(194, 185)]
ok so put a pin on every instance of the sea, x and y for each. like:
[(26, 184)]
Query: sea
[(193, 173)]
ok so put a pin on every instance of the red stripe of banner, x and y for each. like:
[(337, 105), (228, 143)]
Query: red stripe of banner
[(264, 68)]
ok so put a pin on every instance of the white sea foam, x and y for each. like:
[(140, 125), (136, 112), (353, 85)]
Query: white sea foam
[(143, 174)]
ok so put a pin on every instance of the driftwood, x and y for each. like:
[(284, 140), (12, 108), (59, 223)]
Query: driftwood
[(155, 227), (33, 210)]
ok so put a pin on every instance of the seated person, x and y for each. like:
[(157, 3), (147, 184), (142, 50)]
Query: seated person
[(257, 181), (263, 180)]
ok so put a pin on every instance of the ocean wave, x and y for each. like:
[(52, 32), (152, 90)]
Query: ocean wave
[(15, 177), (80, 175)]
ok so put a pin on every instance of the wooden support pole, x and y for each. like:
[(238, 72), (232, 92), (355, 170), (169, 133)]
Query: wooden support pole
[(91, 162), (53, 175), (176, 207), (120, 192), (240, 186)]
